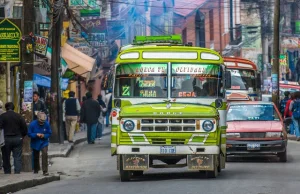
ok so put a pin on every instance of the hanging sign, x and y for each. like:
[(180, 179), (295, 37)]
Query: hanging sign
[(41, 44), (10, 36)]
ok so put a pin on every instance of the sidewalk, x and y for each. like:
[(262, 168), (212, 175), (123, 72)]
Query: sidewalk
[(13, 183), (63, 150), (291, 137)]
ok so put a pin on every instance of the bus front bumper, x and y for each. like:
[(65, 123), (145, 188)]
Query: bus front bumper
[(168, 149)]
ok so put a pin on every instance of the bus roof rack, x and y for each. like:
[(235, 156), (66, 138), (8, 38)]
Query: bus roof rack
[(170, 39)]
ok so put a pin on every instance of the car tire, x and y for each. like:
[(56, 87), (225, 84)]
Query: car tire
[(282, 156)]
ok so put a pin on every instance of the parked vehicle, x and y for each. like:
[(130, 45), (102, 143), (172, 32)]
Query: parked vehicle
[(245, 77), (255, 128)]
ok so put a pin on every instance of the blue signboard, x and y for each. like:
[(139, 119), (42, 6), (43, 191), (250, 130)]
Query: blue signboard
[(46, 81)]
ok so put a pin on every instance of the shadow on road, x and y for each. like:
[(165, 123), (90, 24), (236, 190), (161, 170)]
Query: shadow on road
[(253, 159)]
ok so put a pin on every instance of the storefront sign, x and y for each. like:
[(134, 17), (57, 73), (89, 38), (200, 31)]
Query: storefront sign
[(90, 12), (82, 47), (95, 25), (41, 44), (10, 36), (282, 60), (76, 3)]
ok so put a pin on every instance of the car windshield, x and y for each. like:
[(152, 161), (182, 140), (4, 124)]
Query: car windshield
[(141, 81), (252, 112), (196, 80), (242, 79)]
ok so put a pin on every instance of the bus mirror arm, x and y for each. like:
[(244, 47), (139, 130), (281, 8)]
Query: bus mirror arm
[(227, 79)]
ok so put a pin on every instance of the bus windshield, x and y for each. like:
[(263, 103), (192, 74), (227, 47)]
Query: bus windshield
[(196, 80), (141, 80), (242, 79)]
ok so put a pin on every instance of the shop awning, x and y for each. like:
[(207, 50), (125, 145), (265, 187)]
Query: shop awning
[(64, 64), (77, 61), (46, 81)]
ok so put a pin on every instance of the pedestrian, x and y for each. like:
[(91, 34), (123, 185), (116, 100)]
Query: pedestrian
[(83, 126), (38, 105), (1, 112), (100, 124), (283, 102), (108, 102), (90, 112), (295, 108), (288, 114), (71, 108), (39, 131), (15, 129)]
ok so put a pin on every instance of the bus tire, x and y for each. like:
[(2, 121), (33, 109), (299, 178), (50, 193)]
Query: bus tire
[(125, 175), (219, 165), (137, 173), (214, 173)]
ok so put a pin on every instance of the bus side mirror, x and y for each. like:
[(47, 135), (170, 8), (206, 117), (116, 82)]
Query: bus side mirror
[(227, 79), (117, 103), (258, 81)]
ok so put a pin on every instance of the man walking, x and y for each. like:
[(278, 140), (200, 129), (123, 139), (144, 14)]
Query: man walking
[(39, 131), (38, 105), (90, 112), (100, 124), (71, 110), (15, 129)]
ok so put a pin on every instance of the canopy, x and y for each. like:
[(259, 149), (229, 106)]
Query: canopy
[(77, 61), (46, 81)]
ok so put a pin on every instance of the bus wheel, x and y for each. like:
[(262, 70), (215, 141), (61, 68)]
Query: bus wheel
[(214, 173), (219, 165), (138, 173), (125, 175)]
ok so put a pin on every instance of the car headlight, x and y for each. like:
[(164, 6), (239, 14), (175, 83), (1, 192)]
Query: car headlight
[(274, 134), (128, 125), (232, 135), (208, 125)]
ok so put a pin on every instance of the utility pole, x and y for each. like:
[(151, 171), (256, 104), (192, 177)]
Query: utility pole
[(56, 106), (27, 75), (276, 53)]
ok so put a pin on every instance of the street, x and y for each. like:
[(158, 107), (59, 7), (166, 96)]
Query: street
[(91, 169)]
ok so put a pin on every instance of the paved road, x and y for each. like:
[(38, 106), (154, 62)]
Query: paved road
[(90, 169)]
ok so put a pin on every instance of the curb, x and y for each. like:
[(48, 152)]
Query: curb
[(14, 187), (71, 147)]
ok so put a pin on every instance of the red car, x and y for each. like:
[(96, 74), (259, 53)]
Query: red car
[(255, 128)]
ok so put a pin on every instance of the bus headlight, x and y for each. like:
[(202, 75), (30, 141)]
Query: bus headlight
[(208, 126), (128, 125)]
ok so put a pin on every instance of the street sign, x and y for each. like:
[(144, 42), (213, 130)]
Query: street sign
[(10, 36)]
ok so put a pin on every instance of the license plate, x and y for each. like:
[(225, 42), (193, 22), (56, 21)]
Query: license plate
[(253, 146), (167, 149)]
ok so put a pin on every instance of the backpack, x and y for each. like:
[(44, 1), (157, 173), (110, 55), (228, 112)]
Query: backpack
[(296, 109), (283, 105)]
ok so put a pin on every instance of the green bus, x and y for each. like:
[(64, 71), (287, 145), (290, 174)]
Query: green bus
[(169, 107)]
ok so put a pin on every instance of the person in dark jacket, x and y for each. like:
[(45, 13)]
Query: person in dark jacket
[(40, 132), (38, 105), (15, 129), (90, 112)]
